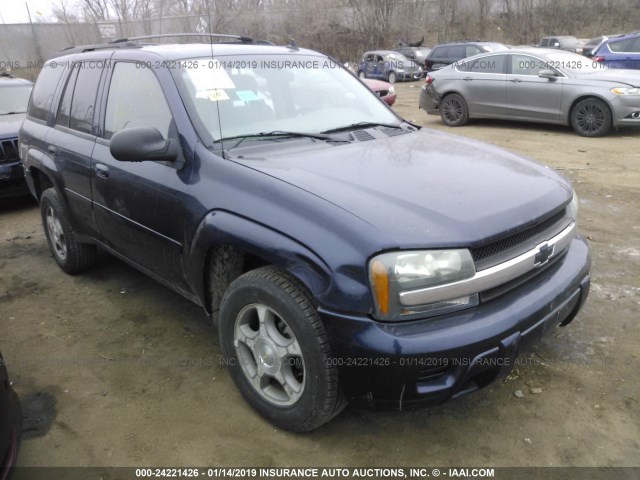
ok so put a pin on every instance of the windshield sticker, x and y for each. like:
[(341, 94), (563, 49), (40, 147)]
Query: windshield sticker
[(217, 94), (246, 95), (210, 76)]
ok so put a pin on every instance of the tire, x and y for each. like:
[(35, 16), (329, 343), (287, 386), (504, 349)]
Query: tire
[(392, 77), (454, 111), (591, 117), (70, 255), (362, 75), (277, 350)]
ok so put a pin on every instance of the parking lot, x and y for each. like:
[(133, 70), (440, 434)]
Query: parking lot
[(115, 370)]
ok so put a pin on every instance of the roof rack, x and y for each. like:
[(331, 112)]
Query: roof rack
[(243, 39), (132, 42)]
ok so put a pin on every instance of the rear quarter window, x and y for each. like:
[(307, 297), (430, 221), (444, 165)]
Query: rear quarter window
[(621, 45), (43, 91)]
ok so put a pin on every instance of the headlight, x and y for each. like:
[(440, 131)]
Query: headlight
[(626, 90), (572, 209), (392, 90), (393, 273)]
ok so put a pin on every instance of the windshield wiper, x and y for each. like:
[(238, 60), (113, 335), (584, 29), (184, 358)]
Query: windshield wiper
[(354, 126), (279, 133)]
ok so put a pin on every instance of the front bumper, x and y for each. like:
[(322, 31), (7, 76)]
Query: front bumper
[(427, 362), (624, 108), (12, 182), (406, 76)]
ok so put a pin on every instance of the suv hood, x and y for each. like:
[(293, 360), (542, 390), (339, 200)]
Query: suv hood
[(424, 188), (10, 124)]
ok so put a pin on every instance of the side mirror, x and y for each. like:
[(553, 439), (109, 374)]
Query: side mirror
[(546, 73), (138, 144)]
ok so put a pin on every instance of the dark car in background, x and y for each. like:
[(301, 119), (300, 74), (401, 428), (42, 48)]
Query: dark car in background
[(562, 42), (389, 66), (622, 51), (417, 54), (342, 252), (10, 423), (536, 85), (14, 97), (448, 53)]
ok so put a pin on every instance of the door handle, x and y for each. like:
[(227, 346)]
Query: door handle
[(52, 150), (102, 171), (515, 80), (467, 79)]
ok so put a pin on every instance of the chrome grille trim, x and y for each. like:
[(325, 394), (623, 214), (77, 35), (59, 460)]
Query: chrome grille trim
[(494, 276)]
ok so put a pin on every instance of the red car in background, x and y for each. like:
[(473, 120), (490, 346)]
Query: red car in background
[(384, 90)]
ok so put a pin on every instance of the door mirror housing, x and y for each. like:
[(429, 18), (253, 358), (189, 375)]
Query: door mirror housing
[(547, 73), (138, 144)]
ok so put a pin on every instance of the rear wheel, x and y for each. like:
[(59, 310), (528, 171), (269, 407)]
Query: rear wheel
[(454, 111), (591, 117), (392, 77), (277, 350), (70, 255)]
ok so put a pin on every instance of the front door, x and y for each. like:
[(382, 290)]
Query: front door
[(139, 206)]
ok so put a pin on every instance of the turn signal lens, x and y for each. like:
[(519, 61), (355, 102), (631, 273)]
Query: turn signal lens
[(380, 280)]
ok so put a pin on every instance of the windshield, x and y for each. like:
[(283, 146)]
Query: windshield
[(572, 62), (252, 94), (14, 99)]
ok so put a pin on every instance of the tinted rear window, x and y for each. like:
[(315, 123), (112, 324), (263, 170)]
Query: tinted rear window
[(43, 91)]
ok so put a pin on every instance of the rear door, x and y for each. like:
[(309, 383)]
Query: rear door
[(139, 206), (72, 139), (530, 97), (484, 85)]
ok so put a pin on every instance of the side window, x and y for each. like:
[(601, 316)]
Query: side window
[(135, 100), (457, 52), (471, 50), (620, 45), (42, 94), (544, 42), (635, 48), (490, 64), (440, 52), (84, 98), (379, 59), (525, 65), (368, 58), (64, 109)]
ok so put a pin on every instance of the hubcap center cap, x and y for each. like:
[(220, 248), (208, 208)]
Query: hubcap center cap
[(267, 354)]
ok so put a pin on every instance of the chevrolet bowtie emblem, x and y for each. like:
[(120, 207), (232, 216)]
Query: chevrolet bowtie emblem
[(545, 251)]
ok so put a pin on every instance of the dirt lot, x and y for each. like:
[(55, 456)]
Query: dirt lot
[(115, 370)]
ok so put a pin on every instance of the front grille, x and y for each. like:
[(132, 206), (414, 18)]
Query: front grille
[(500, 250), (9, 150)]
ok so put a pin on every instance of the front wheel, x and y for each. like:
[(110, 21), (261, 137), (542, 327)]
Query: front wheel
[(591, 117), (362, 75), (454, 111), (70, 255), (277, 350)]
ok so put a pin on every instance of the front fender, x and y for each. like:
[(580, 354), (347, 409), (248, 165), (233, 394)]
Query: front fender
[(224, 228)]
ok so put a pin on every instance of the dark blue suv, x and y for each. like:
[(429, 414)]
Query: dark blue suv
[(342, 252), (621, 51)]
